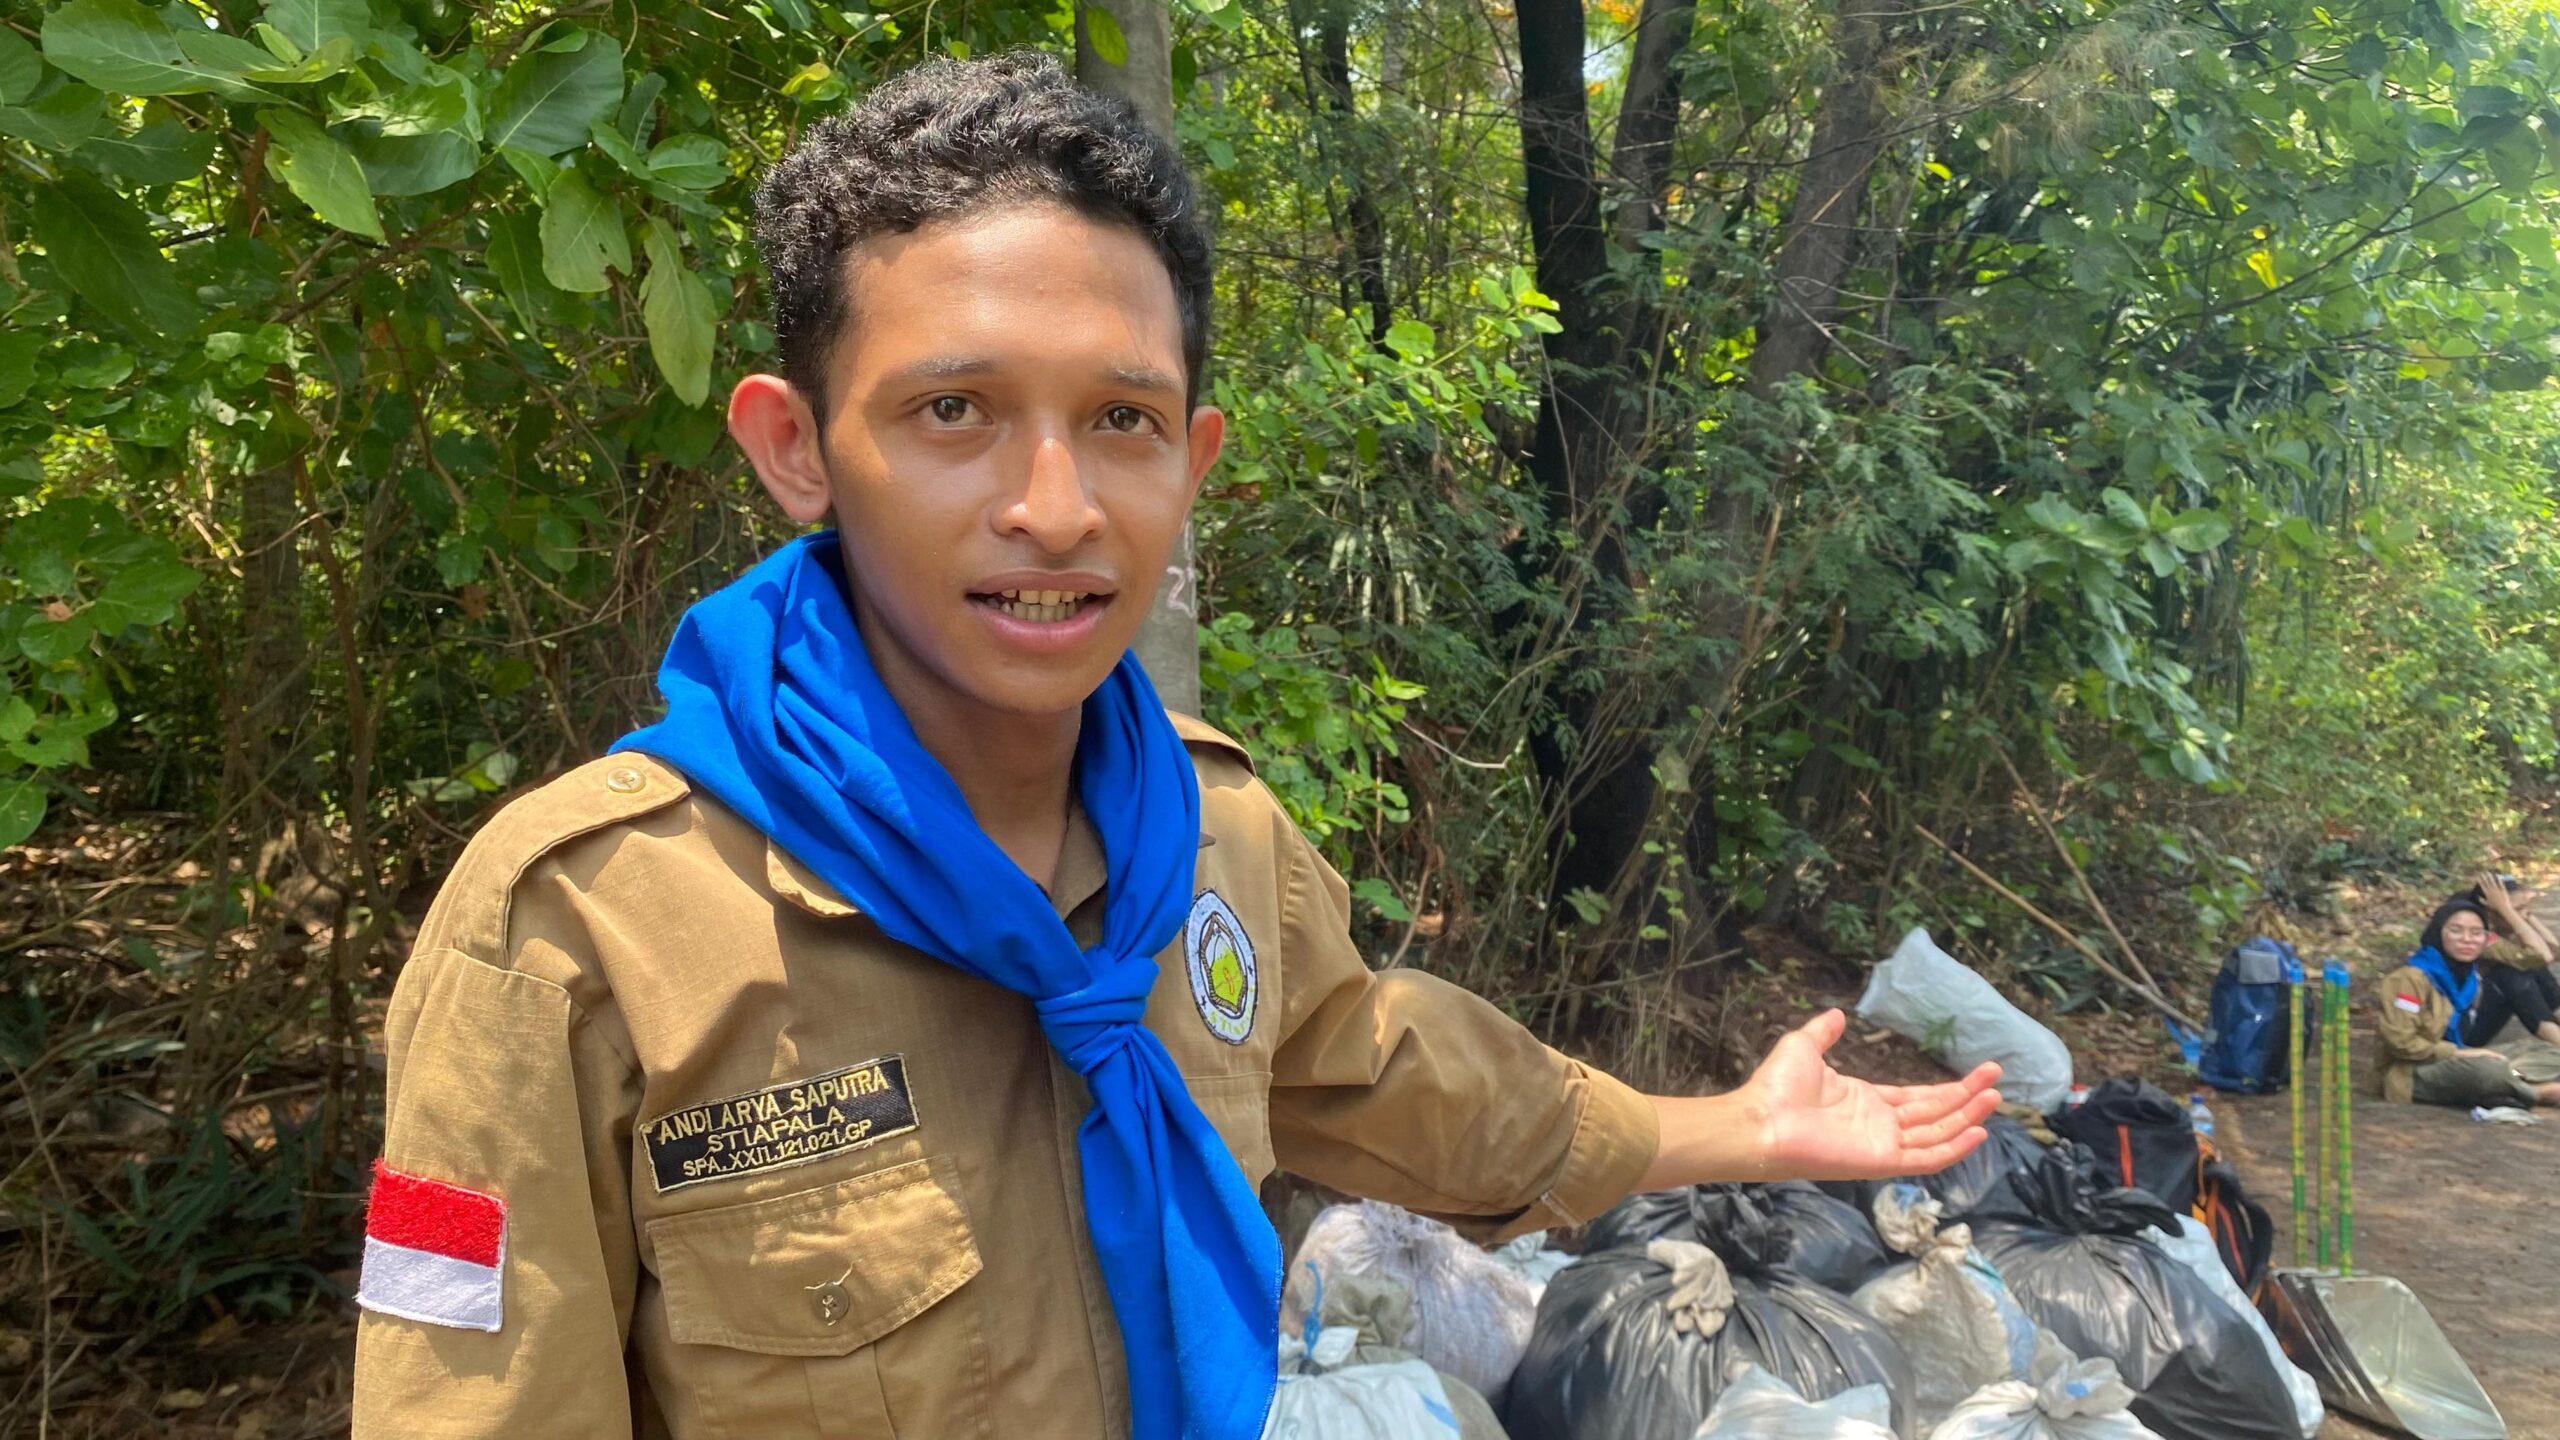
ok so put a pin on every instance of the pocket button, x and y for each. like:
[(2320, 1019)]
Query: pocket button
[(829, 1300)]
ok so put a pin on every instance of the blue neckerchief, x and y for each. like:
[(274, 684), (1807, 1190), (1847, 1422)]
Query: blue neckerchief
[(774, 708), (2431, 963)]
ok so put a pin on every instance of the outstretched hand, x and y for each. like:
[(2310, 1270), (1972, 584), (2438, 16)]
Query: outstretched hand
[(1823, 1125), (1796, 1118)]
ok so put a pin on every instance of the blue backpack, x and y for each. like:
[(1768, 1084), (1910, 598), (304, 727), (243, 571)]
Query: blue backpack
[(2246, 1029)]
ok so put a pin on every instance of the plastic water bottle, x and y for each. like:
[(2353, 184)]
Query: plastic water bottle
[(2200, 1113)]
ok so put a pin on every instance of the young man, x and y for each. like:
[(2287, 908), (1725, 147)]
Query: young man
[(890, 1041)]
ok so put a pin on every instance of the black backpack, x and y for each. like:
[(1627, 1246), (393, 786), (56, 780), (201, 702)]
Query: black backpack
[(2143, 1137)]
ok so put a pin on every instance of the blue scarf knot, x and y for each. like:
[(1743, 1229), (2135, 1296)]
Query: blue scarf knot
[(775, 710), (1091, 1027), (2432, 963)]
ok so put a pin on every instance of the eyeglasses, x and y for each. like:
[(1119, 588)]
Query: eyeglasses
[(2472, 932)]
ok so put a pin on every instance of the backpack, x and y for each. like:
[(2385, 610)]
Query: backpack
[(2243, 1235), (2143, 1137), (2250, 1019)]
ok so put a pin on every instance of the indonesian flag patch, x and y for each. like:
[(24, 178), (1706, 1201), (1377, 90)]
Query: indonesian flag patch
[(432, 1252), (2407, 1002)]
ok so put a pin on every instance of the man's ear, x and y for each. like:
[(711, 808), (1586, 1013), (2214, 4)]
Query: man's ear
[(1208, 433), (772, 422)]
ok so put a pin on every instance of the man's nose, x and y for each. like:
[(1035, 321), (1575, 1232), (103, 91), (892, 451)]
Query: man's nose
[(1055, 508)]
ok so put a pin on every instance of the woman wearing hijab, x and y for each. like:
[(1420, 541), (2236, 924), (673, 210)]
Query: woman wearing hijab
[(2439, 1013)]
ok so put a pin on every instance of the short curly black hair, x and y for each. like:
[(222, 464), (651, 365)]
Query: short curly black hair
[(949, 137)]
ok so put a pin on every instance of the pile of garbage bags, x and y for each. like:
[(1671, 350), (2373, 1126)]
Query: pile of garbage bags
[(2026, 1292), (1642, 1341)]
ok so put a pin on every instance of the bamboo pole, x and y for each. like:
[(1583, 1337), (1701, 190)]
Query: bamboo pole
[(2346, 1126), (2328, 1123), (2062, 933), (2296, 1080), (2088, 892)]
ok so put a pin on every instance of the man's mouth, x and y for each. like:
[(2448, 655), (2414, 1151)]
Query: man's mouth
[(1040, 607)]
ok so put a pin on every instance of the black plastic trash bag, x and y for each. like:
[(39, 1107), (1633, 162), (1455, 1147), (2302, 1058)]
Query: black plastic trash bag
[(2079, 1268), (1984, 1181), (1636, 1343), (1832, 1243)]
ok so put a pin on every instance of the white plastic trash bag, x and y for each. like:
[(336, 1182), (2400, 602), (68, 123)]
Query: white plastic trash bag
[(2067, 1399), (1530, 1258), (1948, 1307), (1399, 1400), (1471, 1312), (1757, 1405), (2195, 1249), (1926, 996)]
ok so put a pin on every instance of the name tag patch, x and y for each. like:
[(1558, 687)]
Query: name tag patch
[(791, 1124)]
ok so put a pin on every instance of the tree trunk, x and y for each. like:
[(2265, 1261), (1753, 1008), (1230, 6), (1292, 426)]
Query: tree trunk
[(1817, 248), (1581, 453), (1368, 231), (1168, 642), (1821, 233)]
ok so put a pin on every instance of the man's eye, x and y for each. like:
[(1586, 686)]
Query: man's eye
[(1128, 419), (949, 409)]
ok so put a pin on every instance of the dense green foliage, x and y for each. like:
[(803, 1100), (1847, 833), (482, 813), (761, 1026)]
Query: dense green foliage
[(2181, 427)]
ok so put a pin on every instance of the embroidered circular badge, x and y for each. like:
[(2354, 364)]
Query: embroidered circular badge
[(1220, 958)]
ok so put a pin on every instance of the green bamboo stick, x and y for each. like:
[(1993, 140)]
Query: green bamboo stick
[(2300, 1080), (2328, 1128), (2346, 1137)]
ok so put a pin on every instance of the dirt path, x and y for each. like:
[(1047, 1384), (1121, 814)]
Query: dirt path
[(2452, 1209)]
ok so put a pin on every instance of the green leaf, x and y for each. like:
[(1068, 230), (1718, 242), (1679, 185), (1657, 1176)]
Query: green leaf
[(690, 162), (50, 642), (320, 170), (415, 164), (103, 248), (2516, 157), (2198, 530), (442, 102), (146, 592), (118, 46), (21, 806), (310, 24), (1380, 896), (1412, 339), (61, 121), (680, 312), (163, 152), (515, 257), (18, 351), (546, 100), (618, 148), (1102, 32), (582, 236), (21, 69)]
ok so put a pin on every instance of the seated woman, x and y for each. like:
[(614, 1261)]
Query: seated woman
[(2518, 981), (2441, 1010)]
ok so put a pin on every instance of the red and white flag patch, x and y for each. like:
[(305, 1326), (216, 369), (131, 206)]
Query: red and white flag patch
[(432, 1251), (2408, 1003)]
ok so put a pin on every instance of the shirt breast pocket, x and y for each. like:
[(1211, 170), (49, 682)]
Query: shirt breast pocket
[(828, 1312)]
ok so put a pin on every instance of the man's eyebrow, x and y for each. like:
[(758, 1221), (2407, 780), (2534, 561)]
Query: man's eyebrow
[(1143, 377), (942, 367)]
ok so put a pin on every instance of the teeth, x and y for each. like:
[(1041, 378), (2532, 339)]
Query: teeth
[(1042, 607)]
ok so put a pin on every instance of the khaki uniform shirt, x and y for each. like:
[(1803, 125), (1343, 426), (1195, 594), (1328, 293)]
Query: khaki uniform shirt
[(2410, 1038), (769, 1173)]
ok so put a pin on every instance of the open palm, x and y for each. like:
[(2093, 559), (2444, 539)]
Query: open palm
[(1824, 1125)]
